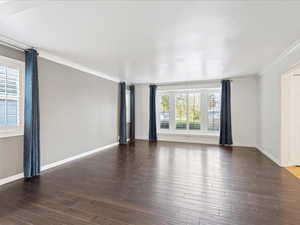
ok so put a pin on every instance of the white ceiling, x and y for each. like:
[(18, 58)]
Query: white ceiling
[(157, 41)]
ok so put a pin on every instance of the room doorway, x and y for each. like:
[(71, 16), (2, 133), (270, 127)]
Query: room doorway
[(290, 117)]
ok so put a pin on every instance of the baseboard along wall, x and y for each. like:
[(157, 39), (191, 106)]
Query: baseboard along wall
[(58, 163)]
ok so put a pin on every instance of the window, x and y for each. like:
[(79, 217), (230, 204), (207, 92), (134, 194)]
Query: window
[(164, 114), (127, 105), (194, 111), (11, 97), (189, 111), (181, 111), (214, 105)]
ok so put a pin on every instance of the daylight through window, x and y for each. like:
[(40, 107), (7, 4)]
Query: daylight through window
[(189, 110)]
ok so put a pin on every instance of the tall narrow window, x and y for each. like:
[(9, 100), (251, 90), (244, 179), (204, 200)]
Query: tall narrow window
[(127, 106), (164, 112), (194, 111), (214, 105), (181, 111), (9, 96)]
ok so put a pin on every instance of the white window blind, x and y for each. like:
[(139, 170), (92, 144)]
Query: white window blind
[(11, 97)]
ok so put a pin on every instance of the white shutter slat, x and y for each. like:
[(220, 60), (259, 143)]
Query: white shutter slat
[(12, 112), (12, 82), (2, 112), (2, 82)]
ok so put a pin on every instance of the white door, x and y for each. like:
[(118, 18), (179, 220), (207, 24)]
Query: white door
[(295, 122)]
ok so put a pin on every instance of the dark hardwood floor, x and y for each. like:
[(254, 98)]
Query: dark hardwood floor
[(157, 184)]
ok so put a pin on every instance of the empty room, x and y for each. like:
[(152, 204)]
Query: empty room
[(149, 112)]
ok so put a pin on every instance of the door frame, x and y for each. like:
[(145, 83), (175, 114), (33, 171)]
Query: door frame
[(287, 117)]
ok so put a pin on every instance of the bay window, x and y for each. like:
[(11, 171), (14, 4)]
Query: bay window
[(189, 111)]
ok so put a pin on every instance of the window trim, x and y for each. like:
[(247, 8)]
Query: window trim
[(10, 131), (172, 122)]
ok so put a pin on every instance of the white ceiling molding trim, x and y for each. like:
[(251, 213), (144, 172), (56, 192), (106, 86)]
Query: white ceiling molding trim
[(288, 51), (74, 65), (207, 81), (11, 43)]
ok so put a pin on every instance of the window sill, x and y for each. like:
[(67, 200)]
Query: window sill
[(200, 134), (11, 133)]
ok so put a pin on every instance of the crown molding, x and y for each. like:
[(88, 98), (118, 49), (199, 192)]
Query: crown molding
[(288, 51), (204, 81), (11, 43), (69, 63)]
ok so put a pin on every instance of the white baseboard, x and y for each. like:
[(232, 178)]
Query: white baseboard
[(195, 142), (58, 163), (141, 138), (177, 140), (11, 178), (188, 141), (269, 155)]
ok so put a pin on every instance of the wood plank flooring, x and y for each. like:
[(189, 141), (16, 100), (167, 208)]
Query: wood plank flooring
[(295, 170), (160, 183)]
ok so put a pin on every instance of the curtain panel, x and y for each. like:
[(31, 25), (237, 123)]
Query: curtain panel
[(225, 123), (122, 122), (132, 113), (31, 116), (152, 118)]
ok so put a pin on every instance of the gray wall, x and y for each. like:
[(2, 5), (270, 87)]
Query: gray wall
[(11, 156), (79, 113), (269, 132), (244, 110)]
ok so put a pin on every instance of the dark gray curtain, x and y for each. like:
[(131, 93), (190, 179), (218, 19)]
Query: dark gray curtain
[(152, 118), (122, 128), (225, 126), (31, 116), (132, 113)]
